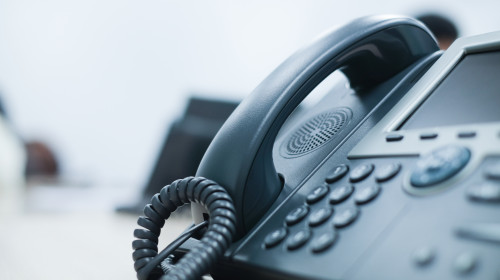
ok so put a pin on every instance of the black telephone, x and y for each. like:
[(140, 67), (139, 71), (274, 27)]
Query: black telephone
[(394, 177)]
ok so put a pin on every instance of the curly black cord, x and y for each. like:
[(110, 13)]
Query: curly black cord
[(215, 241)]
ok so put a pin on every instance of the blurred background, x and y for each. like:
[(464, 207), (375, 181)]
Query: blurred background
[(94, 88)]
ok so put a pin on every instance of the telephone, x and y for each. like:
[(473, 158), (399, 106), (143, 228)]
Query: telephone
[(394, 177)]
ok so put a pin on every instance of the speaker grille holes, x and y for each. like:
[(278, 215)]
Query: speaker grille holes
[(315, 132)]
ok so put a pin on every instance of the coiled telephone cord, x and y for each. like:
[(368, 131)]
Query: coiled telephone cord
[(213, 244)]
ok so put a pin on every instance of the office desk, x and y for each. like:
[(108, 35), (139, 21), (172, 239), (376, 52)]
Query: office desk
[(82, 238)]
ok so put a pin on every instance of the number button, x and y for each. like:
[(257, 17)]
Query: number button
[(324, 241), (367, 194), (345, 217), (275, 237), (317, 194), (296, 215), (298, 239), (361, 172), (339, 172), (320, 216), (341, 193), (387, 172)]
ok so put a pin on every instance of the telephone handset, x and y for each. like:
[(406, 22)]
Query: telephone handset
[(355, 186), (368, 51)]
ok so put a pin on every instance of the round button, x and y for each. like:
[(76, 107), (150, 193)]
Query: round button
[(337, 173), (387, 172), (345, 217), (361, 172), (423, 256), (367, 194), (324, 241), (298, 239), (439, 165), (275, 237), (296, 215), (317, 194), (341, 193), (464, 263), (320, 216)]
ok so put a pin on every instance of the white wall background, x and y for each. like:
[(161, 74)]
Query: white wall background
[(100, 81)]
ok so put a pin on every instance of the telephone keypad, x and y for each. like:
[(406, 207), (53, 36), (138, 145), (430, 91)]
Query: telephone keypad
[(298, 239), (324, 241), (341, 193), (275, 237), (319, 216), (296, 215), (361, 172), (345, 217), (337, 174), (317, 194), (367, 194), (387, 172)]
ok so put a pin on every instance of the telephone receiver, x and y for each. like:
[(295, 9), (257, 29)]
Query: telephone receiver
[(368, 51), (393, 174)]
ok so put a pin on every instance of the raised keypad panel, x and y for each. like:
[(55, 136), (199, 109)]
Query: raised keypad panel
[(327, 211), (328, 208)]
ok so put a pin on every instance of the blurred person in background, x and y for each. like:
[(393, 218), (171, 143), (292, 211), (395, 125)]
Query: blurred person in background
[(443, 28), (12, 164), (23, 160)]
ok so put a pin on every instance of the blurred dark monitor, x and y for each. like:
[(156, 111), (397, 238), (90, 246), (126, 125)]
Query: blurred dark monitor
[(184, 145)]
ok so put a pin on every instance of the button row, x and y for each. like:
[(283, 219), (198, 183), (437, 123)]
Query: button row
[(362, 172), (395, 137), (463, 263), (339, 194), (341, 218), (300, 238)]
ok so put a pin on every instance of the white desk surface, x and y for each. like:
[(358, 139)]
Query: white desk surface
[(70, 233)]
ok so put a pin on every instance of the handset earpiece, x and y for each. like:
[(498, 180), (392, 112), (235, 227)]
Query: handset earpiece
[(367, 50)]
